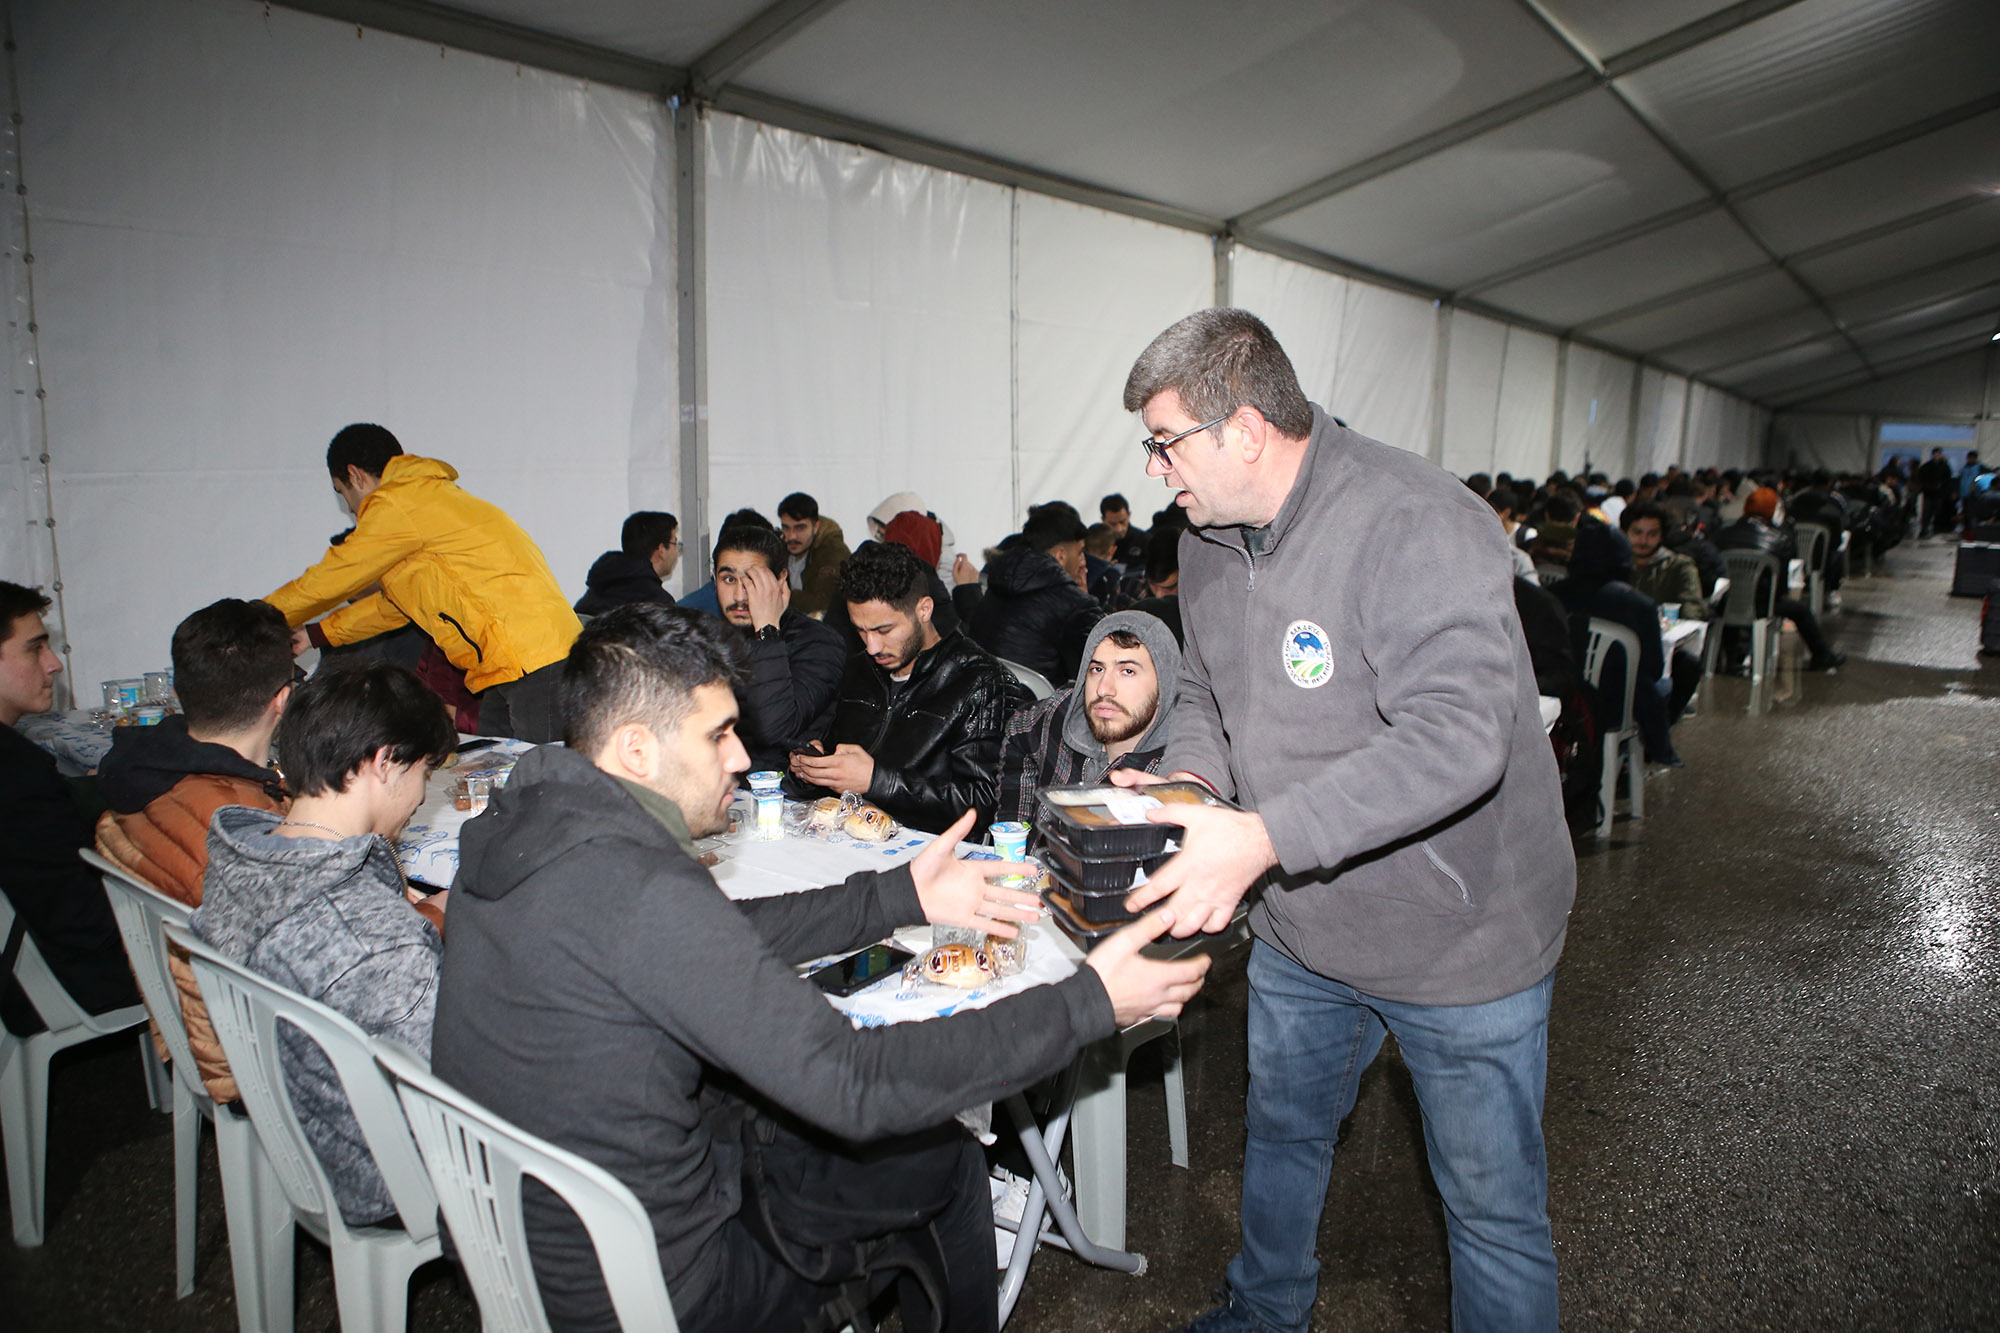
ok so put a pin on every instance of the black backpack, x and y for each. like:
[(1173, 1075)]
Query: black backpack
[(1989, 621)]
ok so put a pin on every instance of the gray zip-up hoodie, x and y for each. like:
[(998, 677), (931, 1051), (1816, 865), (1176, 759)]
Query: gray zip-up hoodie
[(1362, 682), (328, 920)]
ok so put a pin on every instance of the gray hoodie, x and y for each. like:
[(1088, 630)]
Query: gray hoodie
[(1049, 744), (1362, 683), (328, 920)]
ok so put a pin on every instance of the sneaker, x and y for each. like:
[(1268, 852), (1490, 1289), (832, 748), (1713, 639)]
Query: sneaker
[(1010, 1195), (1826, 662), (1833, 602)]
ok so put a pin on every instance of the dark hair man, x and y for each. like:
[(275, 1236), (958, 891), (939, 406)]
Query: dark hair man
[(1355, 678), (313, 899), (1761, 529), (795, 662), (455, 565), (1115, 715), (642, 1032), (1130, 550), (917, 728), (44, 820), (1035, 611), (1938, 487), (1161, 582), (649, 546), (1666, 576), (1506, 506), (815, 549), (1599, 586), (233, 673)]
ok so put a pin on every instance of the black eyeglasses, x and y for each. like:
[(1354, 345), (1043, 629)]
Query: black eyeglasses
[(1158, 448)]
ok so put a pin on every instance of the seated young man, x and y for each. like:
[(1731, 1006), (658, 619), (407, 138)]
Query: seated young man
[(233, 673), (44, 821), (649, 546), (1114, 716), (313, 898), (602, 993), (1035, 611), (795, 662), (917, 729)]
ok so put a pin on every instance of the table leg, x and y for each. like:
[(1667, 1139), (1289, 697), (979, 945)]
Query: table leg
[(1097, 1143)]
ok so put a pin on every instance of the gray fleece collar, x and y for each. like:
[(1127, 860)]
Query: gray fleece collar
[(1159, 641)]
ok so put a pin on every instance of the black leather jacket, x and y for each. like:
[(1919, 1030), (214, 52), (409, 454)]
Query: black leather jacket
[(1754, 534), (937, 746), (1033, 613)]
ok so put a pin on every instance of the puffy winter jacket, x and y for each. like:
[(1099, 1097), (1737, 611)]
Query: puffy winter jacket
[(455, 565), (936, 743), (1033, 613), (164, 787), (616, 579)]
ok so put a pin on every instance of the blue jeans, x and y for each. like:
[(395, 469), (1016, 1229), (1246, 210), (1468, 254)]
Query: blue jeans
[(1479, 1071)]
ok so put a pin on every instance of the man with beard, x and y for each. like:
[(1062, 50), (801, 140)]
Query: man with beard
[(917, 728), (795, 662), (1115, 716), (815, 549)]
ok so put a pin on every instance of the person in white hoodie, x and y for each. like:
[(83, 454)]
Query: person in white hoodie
[(885, 513)]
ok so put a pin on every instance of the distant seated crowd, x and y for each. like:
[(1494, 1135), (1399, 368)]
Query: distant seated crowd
[(587, 941)]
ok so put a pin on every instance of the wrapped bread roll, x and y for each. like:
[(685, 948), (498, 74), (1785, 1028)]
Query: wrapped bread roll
[(962, 965), (868, 824), (827, 813)]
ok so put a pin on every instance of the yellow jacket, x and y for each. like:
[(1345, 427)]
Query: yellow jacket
[(452, 564)]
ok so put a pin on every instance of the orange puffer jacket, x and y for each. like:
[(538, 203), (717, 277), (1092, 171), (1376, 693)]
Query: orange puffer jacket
[(166, 845)]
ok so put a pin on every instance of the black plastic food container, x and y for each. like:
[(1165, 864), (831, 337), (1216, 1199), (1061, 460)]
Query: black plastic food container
[(1099, 907), (1099, 874), (1089, 834)]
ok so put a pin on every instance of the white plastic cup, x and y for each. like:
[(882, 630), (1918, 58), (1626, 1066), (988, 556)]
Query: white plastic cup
[(1010, 839), (764, 782), (149, 715), (770, 816)]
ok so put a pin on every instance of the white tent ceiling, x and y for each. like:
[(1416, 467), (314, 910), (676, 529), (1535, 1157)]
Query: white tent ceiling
[(1787, 198)]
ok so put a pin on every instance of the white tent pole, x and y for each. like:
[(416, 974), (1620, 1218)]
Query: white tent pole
[(1440, 372), (1632, 468), (1225, 270), (1556, 429), (691, 311)]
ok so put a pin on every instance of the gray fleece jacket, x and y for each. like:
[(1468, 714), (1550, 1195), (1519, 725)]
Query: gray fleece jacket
[(328, 920), (1362, 682)]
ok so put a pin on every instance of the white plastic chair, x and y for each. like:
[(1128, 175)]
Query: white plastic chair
[(1622, 747), (1038, 684), (477, 1162), (24, 1075), (371, 1265), (1752, 603), (143, 912), (1814, 539)]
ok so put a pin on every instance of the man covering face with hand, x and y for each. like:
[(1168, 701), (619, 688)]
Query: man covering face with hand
[(795, 661)]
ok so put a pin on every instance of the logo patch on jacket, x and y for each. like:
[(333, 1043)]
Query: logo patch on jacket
[(1307, 656)]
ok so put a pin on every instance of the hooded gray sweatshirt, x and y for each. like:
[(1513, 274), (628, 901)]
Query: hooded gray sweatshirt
[(1049, 744), (329, 920), (1361, 681)]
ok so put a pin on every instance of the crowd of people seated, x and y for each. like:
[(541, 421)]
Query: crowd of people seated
[(594, 982)]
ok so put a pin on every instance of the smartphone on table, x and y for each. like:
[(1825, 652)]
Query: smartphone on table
[(845, 976)]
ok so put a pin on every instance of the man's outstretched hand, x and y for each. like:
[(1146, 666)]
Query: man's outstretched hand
[(1140, 987), (962, 893)]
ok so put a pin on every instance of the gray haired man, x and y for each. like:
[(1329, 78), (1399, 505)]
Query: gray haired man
[(1355, 679)]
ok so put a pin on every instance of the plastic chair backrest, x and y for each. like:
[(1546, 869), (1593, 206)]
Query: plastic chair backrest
[(1038, 684), (1604, 636), (44, 990), (1813, 540), (141, 911), (477, 1162), (246, 1010), (1754, 581)]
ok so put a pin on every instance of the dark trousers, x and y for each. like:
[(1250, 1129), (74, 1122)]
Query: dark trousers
[(757, 1291), (527, 709)]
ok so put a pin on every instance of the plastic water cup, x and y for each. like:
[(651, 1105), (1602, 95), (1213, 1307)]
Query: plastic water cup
[(770, 816), (131, 693), (1010, 839)]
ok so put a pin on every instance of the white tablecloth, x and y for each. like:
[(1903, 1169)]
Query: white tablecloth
[(76, 741), (1693, 633), (428, 847)]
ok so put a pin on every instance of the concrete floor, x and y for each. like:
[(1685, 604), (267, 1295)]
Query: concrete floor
[(1772, 1078)]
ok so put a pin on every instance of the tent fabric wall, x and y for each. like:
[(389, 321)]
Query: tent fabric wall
[(1388, 361), (251, 228), (858, 332), (1597, 413), (1474, 375), (1526, 421), (1092, 290), (1837, 441), (1662, 406)]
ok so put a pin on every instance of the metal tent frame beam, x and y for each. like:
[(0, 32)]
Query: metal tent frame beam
[(1592, 76), (1819, 389), (741, 49)]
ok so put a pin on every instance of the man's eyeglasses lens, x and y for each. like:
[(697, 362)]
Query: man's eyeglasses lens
[(1158, 448)]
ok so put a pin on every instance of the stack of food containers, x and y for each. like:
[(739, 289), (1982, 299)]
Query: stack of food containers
[(1098, 845)]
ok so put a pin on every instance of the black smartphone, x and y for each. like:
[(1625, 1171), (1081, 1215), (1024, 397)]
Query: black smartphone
[(469, 746), (844, 976)]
